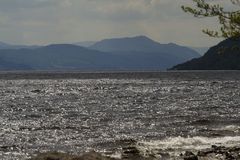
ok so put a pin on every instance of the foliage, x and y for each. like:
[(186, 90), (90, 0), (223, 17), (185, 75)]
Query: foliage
[(229, 20)]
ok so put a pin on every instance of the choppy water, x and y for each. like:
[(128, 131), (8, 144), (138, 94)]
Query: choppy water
[(167, 114)]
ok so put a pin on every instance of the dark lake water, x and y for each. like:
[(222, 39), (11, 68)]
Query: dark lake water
[(168, 112)]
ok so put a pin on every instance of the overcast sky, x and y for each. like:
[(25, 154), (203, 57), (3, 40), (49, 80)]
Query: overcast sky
[(66, 21)]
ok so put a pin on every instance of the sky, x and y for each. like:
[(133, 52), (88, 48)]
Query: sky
[(41, 22)]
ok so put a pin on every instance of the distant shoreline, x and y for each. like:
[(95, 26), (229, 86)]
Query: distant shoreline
[(182, 75)]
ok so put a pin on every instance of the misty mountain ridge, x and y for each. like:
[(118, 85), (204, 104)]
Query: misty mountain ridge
[(138, 43), (142, 46), (134, 53), (57, 57)]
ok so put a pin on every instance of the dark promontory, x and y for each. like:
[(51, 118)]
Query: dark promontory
[(224, 56)]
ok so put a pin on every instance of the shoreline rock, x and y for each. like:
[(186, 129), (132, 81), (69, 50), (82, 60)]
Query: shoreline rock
[(132, 153), (65, 156), (215, 153)]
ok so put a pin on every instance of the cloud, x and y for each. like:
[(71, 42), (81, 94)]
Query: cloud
[(59, 21), (15, 5)]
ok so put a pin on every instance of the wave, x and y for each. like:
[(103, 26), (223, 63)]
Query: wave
[(232, 128), (174, 146)]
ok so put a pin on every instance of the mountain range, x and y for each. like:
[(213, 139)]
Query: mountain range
[(200, 50), (224, 56), (132, 53)]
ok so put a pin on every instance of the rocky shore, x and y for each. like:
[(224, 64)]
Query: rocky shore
[(214, 153), (132, 152)]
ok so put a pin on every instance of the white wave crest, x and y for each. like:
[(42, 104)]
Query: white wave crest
[(176, 145), (232, 128)]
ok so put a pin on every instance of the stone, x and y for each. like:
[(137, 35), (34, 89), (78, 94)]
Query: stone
[(36, 91), (190, 156)]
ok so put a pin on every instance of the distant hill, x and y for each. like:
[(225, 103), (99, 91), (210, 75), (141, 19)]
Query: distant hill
[(143, 51), (58, 57), (136, 53), (139, 43), (224, 56), (142, 44)]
